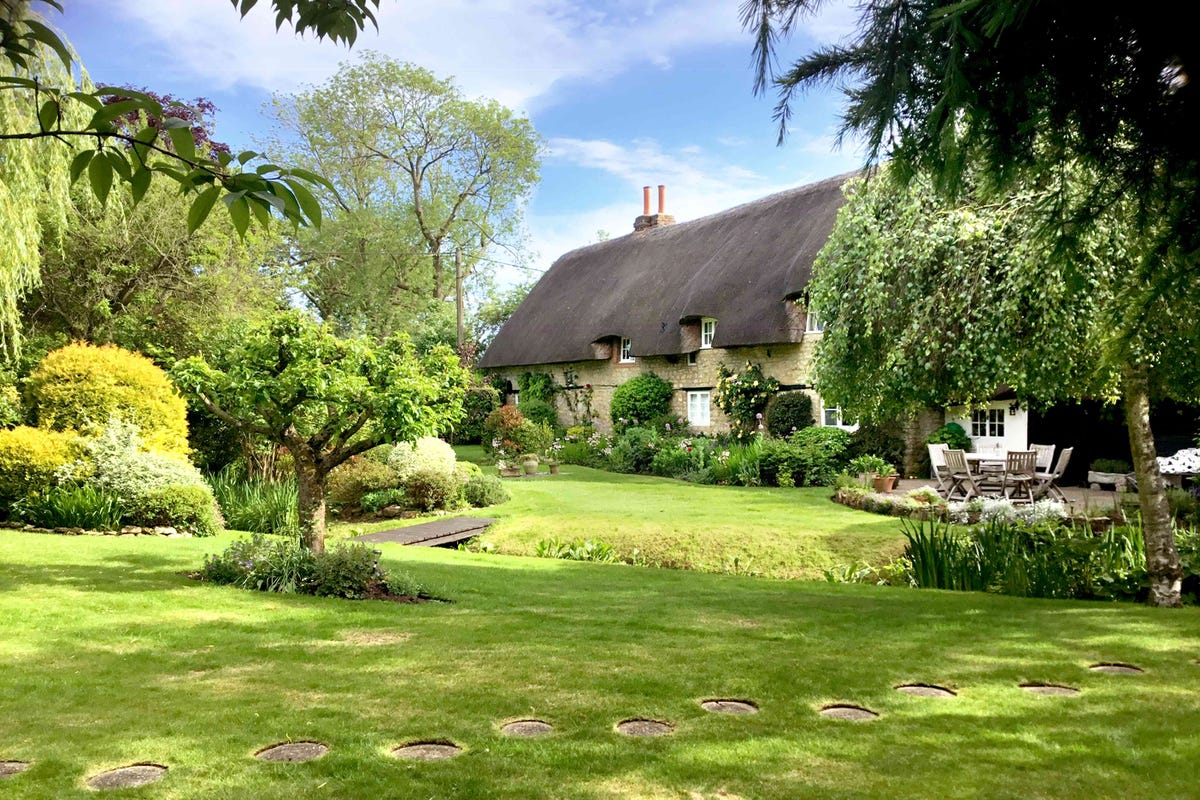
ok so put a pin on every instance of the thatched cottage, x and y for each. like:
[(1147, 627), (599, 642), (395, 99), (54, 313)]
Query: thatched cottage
[(681, 299)]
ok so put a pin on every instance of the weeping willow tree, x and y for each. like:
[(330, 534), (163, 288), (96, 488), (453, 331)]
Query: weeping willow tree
[(34, 188)]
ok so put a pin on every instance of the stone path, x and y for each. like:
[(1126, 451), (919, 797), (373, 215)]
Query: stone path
[(448, 530), (142, 774)]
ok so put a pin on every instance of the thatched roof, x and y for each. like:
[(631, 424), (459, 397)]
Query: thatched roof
[(738, 266)]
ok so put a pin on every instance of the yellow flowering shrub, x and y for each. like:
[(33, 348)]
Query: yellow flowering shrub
[(81, 386), (29, 458)]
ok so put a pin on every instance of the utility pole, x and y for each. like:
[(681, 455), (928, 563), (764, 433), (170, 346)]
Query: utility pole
[(458, 294)]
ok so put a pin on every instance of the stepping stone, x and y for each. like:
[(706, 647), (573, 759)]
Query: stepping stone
[(529, 728), (644, 727), (127, 777), (292, 752), (729, 706), (925, 690), (848, 712), (1116, 669), (1050, 689), (427, 751), (11, 768)]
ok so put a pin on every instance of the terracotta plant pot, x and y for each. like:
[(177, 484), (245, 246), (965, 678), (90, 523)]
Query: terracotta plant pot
[(884, 483), (554, 469)]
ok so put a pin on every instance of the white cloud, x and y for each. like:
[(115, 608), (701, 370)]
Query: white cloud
[(513, 50)]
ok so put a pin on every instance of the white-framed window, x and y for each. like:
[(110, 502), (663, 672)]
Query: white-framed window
[(698, 404), (691, 359), (812, 322), (708, 330), (987, 422), (831, 417), (627, 352)]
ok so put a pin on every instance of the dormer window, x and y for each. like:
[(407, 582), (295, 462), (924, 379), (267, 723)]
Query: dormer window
[(812, 322), (708, 330), (627, 352)]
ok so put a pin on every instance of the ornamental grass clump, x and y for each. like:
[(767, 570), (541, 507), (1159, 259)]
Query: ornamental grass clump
[(257, 505)]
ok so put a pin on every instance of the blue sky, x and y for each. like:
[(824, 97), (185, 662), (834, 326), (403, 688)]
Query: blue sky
[(625, 93)]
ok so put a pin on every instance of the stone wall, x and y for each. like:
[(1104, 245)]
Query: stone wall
[(593, 382)]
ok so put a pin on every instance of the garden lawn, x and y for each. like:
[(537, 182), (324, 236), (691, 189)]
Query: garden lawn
[(781, 533), (110, 657)]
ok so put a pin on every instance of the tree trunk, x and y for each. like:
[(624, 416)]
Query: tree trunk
[(1162, 559), (310, 483)]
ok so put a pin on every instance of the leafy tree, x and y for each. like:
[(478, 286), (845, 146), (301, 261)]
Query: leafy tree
[(132, 274), (931, 303), (294, 383), (495, 309), (417, 170), (53, 130), (1012, 92)]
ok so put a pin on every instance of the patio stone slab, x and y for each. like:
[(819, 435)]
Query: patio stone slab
[(925, 690), (1116, 668), (1050, 689), (729, 706), (528, 728), (427, 751), (292, 752), (644, 727), (848, 712), (11, 768), (127, 777)]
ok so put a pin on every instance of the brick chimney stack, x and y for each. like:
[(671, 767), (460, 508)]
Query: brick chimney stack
[(647, 220)]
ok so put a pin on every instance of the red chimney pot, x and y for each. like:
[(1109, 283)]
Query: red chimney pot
[(662, 199), (646, 201)]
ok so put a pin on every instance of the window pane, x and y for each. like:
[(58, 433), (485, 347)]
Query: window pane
[(833, 417)]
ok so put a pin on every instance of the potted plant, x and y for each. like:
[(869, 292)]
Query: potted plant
[(506, 462), (882, 475), (552, 456)]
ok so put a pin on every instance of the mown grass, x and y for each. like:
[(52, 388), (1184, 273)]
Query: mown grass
[(781, 533), (110, 656)]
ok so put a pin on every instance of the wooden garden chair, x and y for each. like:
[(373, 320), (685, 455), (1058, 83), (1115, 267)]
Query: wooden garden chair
[(1020, 468), (962, 484), (1046, 483), (937, 465), (1045, 456)]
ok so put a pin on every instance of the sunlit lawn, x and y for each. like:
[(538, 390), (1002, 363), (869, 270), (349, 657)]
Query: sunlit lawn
[(110, 657), (786, 533)]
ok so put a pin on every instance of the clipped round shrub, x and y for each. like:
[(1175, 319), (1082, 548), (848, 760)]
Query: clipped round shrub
[(952, 434), (357, 476), (485, 490), (187, 508), (426, 454), (430, 489), (82, 385), (789, 412), (539, 412), (465, 470), (641, 399), (29, 458)]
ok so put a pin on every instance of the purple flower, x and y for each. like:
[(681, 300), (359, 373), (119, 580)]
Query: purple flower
[(758, 416)]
